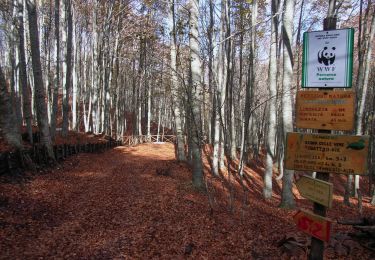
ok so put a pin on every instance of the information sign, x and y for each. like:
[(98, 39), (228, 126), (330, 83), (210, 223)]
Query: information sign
[(327, 153), (329, 110), (328, 59), (316, 190), (312, 224)]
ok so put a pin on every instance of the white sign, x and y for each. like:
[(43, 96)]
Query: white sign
[(328, 59)]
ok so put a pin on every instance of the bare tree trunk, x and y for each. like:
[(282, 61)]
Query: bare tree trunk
[(364, 72), (174, 87), (194, 89), (40, 95), (250, 87), (287, 198), (13, 57), (149, 93), (362, 89), (211, 84), (222, 77), (68, 61), (26, 100), (272, 78), (231, 119), (77, 61), (57, 73), (94, 71)]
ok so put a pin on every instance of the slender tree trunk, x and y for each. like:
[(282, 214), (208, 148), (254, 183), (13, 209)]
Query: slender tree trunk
[(272, 79), (211, 84), (76, 74), (149, 93), (134, 100), (363, 85), (68, 61), (13, 56), (174, 86), (57, 73), (222, 76), (287, 199), (250, 88), (94, 71), (232, 122), (40, 95), (194, 89), (361, 88), (26, 100)]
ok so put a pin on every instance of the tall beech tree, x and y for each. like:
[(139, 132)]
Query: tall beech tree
[(287, 199), (40, 93), (26, 99), (272, 79), (195, 95), (174, 84), (56, 84), (67, 65)]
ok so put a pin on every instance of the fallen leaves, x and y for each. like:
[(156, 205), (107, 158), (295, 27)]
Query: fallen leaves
[(138, 203)]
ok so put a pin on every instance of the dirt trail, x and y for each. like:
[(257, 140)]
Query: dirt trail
[(117, 205)]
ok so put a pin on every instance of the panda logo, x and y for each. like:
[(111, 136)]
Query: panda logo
[(327, 56)]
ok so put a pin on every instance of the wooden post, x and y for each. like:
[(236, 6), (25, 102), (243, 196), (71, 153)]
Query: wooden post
[(317, 246)]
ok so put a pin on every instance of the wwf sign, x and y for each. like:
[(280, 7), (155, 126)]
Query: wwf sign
[(328, 59)]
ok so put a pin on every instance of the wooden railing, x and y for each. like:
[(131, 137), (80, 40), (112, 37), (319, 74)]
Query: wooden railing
[(12, 161), (131, 140)]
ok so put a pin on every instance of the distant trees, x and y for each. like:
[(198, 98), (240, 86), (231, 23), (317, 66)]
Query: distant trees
[(8, 124)]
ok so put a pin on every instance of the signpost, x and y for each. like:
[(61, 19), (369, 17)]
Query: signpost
[(331, 110), (316, 190), (327, 64), (312, 224), (328, 59), (327, 153)]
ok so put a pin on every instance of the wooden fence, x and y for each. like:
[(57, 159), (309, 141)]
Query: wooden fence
[(13, 160), (132, 140), (10, 161)]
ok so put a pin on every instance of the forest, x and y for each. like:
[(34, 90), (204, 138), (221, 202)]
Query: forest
[(136, 129)]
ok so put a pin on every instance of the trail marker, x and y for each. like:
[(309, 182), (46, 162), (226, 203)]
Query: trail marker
[(316, 190), (343, 154), (330, 110), (312, 224)]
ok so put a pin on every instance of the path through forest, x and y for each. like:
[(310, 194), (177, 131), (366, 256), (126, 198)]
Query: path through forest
[(132, 202)]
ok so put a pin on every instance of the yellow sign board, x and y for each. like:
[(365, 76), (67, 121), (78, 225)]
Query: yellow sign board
[(316, 190), (330, 110), (327, 153)]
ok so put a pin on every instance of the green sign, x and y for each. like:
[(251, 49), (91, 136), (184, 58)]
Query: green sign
[(328, 59)]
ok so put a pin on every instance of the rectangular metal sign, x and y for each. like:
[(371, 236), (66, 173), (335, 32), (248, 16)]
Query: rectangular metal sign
[(330, 110), (312, 224), (316, 190), (328, 59), (343, 154)]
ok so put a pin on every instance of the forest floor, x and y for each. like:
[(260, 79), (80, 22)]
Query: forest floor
[(138, 203)]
